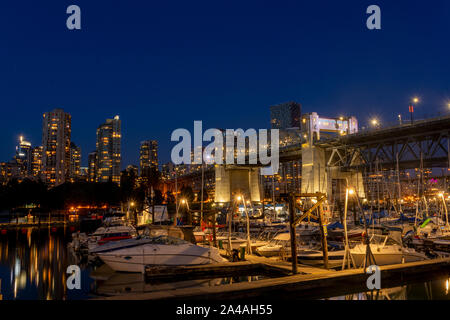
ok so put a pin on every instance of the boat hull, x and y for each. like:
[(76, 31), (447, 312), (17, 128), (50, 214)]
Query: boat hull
[(386, 258), (135, 259)]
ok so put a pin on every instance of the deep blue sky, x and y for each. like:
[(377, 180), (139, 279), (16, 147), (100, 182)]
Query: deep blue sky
[(161, 65)]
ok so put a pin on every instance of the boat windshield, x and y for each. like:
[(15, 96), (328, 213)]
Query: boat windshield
[(166, 240), (383, 239)]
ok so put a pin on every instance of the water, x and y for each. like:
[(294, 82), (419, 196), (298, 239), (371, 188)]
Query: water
[(429, 290), (33, 264)]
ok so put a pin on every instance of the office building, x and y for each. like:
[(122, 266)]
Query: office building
[(148, 155), (109, 151), (286, 115), (56, 133)]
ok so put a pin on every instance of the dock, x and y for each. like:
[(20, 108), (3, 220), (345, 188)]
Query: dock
[(310, 283), (13, 225)]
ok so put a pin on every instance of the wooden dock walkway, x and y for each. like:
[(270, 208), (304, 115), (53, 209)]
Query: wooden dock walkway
[(314, 285)]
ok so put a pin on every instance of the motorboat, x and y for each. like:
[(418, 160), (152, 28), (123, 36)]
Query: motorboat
[(305, 229), (237, 239), (386, 250), (315, 257), (113, 229), (132, 255), (105, 235), (274, 247)]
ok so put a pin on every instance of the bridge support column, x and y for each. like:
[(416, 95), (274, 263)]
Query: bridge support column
[(352, 179), (233, 179), (314, 173)]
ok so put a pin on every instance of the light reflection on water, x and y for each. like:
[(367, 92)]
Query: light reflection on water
[(430, 290), (33, 264)]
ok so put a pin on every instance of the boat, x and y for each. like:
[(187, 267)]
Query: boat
[(315, 258), (237, 239), (274, 247), (112, 229), (105, 235), (132, 255), (386, 251)]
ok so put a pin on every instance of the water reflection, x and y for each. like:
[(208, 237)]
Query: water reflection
[(124, 283), (430, 290), (33, 264)]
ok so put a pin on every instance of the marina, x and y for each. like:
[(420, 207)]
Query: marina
[(247, 155)]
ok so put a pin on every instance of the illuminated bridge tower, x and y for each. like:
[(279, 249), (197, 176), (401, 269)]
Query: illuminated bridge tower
[(317, 174)]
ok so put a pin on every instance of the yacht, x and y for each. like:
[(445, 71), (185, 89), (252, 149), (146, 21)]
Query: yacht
[(315, 257), (386, 250), (105, 235), (113, 229), (132, 255), (274, 247)]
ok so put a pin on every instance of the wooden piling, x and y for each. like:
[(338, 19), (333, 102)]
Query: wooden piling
[(292, 231), (324, 237)]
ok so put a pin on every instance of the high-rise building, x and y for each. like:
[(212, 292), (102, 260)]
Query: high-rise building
[(23, 158), (109, 151), (286, 115), (56, 134), (84, 174), (92, 167), (75, 162), (36, 161), (148, 155)]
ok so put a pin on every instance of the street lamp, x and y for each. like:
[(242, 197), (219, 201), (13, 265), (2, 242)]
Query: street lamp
[(249, 244), (374, 122), (411, 108), (445, 207)]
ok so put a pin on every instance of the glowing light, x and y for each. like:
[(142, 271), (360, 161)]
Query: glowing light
[(351, 191), (239, 198), (416, 100), (446, 287)]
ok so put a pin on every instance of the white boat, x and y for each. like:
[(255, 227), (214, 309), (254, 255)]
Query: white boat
[(315, 258), (305, 229), (237, 240), (274, 247), (133, 255), (386, 251), (105, 235)]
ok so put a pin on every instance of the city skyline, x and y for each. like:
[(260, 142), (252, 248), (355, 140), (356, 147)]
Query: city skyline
[(159, 78)]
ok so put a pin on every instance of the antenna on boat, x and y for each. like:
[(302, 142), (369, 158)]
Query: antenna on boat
[(370, 258), (347, 256)]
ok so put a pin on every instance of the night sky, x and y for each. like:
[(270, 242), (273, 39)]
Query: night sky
[(160, 65)]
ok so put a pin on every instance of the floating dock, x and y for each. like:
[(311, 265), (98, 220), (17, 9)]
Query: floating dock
[(310, 283)]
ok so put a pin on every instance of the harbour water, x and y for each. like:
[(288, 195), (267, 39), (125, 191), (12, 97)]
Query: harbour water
[(33, 264), (430, 290)]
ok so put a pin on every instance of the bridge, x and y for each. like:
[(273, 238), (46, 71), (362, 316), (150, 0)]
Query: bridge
[(423, 144), (334, 150)]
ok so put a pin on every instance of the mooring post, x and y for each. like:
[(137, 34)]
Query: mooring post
[(323, 233), (292, 230), (214, 230)]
